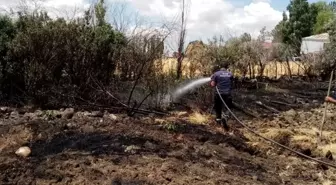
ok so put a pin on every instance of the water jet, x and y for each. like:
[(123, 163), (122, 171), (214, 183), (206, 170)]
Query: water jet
[(185, 88)]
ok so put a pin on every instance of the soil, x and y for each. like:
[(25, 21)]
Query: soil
[(119, 150)]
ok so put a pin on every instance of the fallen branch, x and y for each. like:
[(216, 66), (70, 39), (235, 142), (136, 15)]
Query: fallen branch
[(267, 107), (307, 94), (282, 103), (126, 107), (151, 111), (111, 95), (236, 106), (138, 110), (132, 110)]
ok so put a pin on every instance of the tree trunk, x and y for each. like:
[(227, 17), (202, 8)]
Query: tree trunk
[(250, 69), (245, 72), (179, 67), (288, 66), (181, 43), (261, 70), (3, 70), (253, 72), (276, 69)]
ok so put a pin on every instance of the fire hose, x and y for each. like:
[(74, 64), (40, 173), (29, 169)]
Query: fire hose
[(272, 141)]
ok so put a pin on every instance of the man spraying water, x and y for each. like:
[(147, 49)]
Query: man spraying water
[(223, 80)]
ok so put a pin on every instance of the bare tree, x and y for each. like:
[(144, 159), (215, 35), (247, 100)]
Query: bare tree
[(182, 35), (26, 7), (123, 21)]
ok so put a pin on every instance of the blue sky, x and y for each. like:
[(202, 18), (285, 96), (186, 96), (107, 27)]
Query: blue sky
[(282, 5), (279, 5)]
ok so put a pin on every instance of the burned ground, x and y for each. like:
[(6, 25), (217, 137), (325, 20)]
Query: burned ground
[(173, 149)]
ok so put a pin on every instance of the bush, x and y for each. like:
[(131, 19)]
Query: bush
[(49, 58), (58, 63)]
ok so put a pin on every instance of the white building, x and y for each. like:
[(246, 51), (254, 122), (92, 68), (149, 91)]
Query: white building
[(314, 43)]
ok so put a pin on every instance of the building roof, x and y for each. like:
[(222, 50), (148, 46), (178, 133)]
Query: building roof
[(267, 45), (318, 37)]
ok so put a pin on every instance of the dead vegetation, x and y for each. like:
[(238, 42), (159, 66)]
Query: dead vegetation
[(82, 103), (185, 147)]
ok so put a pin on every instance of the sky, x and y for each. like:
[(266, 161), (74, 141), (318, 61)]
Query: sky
[(206, 18)]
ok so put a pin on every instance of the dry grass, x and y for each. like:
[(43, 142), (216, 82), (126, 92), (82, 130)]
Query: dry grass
[(311, 132), (199, 118), (278, 69), (325, 148), (280, 135), (159, 121), (327, 182), (272, 69), (4, 142), (329, 136), (260, 145), (179, 113), (303, 138)]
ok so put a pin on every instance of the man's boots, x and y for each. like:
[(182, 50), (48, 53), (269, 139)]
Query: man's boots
[(223, 123)]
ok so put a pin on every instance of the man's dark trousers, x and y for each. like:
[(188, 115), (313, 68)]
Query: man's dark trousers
[(219, 103)]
